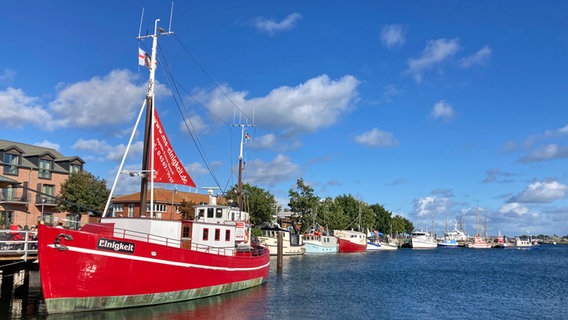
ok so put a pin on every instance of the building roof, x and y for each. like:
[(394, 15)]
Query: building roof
[(29, 151), (5, 182), (164, 196)]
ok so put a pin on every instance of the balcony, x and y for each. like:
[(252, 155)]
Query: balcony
[(45, 200), (14, 196)]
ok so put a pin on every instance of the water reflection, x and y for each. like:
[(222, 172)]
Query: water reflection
[(246, 304)]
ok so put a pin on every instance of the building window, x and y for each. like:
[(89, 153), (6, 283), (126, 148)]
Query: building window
[(217, 234), (131, 210), (11, 164), (48, 191), (45, 167), (157, 207), (227, 235), (8, 194), (206, 234), (75, 168), (118, 207)]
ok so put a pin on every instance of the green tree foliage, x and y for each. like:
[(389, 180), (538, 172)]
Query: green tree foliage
[(82, 193), (303, 203), (259, 203), (401, 225), (186, 209), (382, 218)]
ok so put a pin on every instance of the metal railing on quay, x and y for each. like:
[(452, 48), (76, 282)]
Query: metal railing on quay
[(18, 243)]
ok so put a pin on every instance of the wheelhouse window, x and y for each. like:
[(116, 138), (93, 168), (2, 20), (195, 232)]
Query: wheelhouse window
[(209, 212), (206, 234), (217, 234), (219, 213), (45, 167), (11, 164)]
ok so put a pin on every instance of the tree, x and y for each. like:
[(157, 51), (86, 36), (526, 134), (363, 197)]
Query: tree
[(382, 217), (83, 193), (303, 203), (186, 210), (258, 202)]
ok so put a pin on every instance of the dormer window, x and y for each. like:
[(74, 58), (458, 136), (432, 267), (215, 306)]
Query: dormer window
[(75, 168), (45, 167), (11, 162)]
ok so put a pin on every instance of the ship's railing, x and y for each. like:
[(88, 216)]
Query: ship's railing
[(146, 237), (20, 243)]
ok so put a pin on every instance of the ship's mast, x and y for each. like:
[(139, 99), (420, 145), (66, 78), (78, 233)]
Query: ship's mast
[(240, 175), (148, 154)]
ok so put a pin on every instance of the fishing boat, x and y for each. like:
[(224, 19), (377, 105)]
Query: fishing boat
[(376, 241), (452, 238), (291, 242), (478, 243), (128, 262), (525, 244), (422, 240), (351, 241), (318, 242)]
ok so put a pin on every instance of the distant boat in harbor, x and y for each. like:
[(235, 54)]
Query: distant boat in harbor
[(422, 240), (292, 244), (351, 241), (478, 243), (319, 243)]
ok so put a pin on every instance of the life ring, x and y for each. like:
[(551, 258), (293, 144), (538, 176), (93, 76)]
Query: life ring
[(246, 237)]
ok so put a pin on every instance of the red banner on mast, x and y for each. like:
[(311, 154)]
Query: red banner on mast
[(167, 167)]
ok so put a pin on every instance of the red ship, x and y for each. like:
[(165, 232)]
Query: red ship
[(127, 262)]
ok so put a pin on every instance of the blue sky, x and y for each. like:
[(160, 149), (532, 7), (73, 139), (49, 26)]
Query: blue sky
[(431, 108)]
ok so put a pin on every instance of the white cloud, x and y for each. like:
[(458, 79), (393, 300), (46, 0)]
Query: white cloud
[(515, 209), (376, 138), (112, 99), (195, 124), (317, 103), (270, 26), (547, 152), (541, 191), (7, 76), (443, 110), (435, 53), (271, 173), (265, 142), (106, 151), (428, 206), (478, 58), (393, 35), (18, 110), (48, 144)]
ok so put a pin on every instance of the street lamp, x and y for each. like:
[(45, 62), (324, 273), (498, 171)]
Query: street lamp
[(42, 204)]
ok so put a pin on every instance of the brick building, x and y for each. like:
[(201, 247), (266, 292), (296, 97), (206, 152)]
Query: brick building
[(40, 169), (166, 203)]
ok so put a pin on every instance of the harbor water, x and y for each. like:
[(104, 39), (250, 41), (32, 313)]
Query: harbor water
[(441, 283)]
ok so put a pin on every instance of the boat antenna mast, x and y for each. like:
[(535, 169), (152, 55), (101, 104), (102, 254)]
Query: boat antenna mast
[(148, 154), (244, 138)]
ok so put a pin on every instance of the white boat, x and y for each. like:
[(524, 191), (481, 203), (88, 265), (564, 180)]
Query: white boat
[(422, 240), (525, 244), (318, 243), (478, 243), (291, 243), (452, 238), (375, 241)]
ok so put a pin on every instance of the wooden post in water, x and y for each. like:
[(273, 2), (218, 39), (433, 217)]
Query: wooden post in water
[(279, 250)]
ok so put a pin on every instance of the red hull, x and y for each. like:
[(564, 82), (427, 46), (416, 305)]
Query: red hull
[(348, 246), (80, 275)]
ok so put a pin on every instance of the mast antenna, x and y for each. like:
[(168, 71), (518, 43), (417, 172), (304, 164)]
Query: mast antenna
[(140, 27), (171, 15)]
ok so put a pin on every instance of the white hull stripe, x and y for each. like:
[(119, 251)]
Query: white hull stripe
[(153, 260)]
